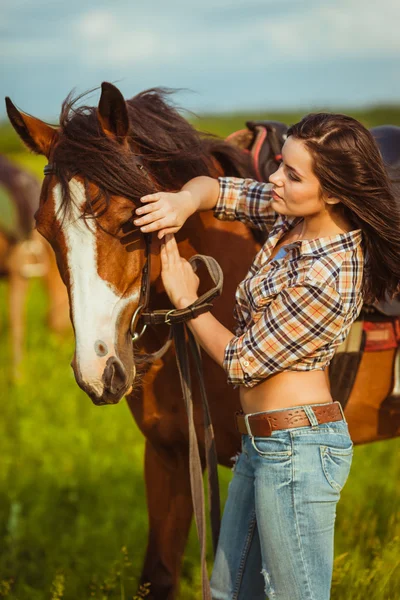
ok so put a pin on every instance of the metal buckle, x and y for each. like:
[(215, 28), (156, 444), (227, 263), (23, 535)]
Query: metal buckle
[(246, 420), (135, 335), (166, 320), (249, 432), (49, 169)]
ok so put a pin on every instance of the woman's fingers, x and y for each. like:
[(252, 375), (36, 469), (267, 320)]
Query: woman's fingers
[(148, 208), (169, 251), (171, 245), (172, 250), (155, 215), (154, 226), (151, 197), (164, 256), (164, 232)]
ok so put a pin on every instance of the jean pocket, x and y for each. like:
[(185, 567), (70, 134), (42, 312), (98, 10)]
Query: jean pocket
[(336, 463), (272, 448)]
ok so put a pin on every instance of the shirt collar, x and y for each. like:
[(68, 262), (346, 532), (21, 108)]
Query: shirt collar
[(324, 245)]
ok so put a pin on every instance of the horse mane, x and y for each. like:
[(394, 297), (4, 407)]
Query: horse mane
[(166, 151)]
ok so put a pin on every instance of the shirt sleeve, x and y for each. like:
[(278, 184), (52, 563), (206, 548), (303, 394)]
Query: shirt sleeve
[(298, 330), (245, 200)]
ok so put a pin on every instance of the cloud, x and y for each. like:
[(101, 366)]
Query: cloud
[(112, 40), (305, 32), (346, 28), (230, 51), (231, 30)]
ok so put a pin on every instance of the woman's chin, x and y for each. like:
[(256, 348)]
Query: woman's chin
[(279, 206)]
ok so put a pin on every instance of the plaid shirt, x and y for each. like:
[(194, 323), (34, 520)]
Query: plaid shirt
[(294, 311)]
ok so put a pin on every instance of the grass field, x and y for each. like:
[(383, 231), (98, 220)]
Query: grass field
[(73, 521)]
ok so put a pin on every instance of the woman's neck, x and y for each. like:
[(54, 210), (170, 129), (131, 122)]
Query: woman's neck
[(322, 225)]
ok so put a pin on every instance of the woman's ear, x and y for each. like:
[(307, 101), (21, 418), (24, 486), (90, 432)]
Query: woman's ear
[(329, 198), (332, 200)]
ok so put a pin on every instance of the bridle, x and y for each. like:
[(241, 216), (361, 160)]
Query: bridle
[(144, 295), (169, 316), (174, 315), (177, 318)]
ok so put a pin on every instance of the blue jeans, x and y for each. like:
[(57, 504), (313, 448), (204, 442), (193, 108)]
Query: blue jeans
[(278, 523)]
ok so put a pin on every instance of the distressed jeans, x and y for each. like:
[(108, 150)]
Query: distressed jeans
[(278, 524)]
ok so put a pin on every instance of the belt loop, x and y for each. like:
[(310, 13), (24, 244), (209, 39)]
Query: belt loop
[(341, 410), (311, 415), (246, 420)]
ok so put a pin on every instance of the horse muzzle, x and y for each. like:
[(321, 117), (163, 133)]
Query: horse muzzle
[(115, 381), (110, 388)]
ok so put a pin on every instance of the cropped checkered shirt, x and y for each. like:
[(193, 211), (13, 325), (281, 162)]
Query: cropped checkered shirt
[(294, 311)]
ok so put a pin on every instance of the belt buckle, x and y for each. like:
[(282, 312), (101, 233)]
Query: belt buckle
[(342, 411), (249, 432), (246, 422)]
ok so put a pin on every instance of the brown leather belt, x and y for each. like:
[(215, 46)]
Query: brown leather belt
[(263, 424)]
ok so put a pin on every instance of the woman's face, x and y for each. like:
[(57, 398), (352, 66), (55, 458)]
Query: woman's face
[(296, 190)]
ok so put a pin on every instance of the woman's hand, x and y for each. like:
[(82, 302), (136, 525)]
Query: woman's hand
[(164, 212), (179, 279)]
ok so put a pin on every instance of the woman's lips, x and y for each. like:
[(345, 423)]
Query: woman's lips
[(275, 195)]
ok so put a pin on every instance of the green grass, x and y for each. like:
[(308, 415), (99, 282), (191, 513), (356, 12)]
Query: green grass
[(72, 508), (73, 520)]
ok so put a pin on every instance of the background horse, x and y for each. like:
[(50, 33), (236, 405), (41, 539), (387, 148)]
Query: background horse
[(102, 160), (25, 254)]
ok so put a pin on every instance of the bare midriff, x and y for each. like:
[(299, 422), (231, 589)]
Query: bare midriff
[(286, 389)]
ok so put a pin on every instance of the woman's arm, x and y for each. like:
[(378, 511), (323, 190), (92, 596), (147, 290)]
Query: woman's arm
[(231, 198), (203, 191)]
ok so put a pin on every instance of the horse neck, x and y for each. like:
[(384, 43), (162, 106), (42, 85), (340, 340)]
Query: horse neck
[(194, 236)]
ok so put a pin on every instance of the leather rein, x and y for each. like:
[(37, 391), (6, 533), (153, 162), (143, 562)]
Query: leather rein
[(182, 336)]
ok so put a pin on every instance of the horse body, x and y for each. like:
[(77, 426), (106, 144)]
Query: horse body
[(24, 254)]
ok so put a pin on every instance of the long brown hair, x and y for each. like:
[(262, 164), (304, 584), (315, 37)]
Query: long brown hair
[(349, 166), (161, 142)]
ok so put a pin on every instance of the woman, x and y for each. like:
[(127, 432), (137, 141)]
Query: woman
[(333, 242)]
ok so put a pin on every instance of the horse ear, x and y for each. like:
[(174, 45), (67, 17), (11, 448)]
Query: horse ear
[(36, 134), (113, 113)]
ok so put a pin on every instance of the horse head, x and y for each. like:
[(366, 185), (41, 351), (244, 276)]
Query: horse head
[(91, 185), (101, 160)]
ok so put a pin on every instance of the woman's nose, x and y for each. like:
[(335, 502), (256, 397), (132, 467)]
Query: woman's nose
[(276, 178)]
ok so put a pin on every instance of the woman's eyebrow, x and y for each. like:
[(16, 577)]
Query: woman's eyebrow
[(292, 169)]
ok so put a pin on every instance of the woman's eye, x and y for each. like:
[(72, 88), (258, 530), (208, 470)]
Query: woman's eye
[(293, 177)]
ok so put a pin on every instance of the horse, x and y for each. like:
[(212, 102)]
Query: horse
[(25, 254), (101, 161)]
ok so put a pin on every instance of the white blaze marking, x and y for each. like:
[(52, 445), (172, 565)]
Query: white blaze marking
[(95, 306)]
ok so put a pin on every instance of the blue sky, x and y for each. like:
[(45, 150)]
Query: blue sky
[(233, 54)]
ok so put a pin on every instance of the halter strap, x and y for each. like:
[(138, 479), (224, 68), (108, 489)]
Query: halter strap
[(50, 169)]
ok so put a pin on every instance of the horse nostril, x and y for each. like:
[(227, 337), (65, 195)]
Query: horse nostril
[(114, 376)]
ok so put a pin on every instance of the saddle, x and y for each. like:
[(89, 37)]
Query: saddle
[(374, 338), (263, 140)]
